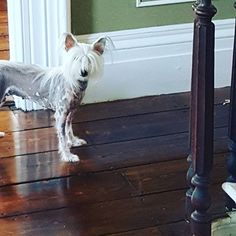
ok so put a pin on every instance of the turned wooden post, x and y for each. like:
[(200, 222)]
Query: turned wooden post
[(231, 161), (202, 109), (190, 172)]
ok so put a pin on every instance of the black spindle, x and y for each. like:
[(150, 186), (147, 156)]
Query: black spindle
[(202, 106), (231, 162)]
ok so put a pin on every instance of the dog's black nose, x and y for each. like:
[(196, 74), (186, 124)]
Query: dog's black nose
[(84, 73)]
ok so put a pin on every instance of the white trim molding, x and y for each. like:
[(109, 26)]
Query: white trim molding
[(34, 30), (148, 3), (156, 60)]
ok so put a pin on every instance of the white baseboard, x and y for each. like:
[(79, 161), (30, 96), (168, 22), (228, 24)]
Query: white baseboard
[(156, 60)]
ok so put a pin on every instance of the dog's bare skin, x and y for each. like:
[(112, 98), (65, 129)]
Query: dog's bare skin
[(60, 89)]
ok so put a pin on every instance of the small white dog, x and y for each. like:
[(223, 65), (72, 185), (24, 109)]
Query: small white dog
[(60, 89)]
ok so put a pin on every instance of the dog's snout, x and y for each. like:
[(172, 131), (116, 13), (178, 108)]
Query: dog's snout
[(84, 73)]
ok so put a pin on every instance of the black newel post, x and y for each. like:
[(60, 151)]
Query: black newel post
[(231, 162), (202, 112)]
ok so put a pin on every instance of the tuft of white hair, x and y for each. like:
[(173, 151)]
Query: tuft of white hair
[(75, 60), (2, 134)]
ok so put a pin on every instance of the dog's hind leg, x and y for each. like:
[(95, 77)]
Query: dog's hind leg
[(63, 147), (72, 140)]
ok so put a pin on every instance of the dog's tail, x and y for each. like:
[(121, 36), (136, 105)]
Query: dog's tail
[(2, 134)]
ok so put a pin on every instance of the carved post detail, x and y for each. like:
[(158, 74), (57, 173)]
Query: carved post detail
[(231, 162), (189, 176), (202, 112)]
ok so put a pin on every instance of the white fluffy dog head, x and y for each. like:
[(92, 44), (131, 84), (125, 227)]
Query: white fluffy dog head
[(82, 61)]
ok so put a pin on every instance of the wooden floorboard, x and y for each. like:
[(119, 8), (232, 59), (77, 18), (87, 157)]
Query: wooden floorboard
[(102, 157), (131, 178), (110, 216), (173, 229), (106, 131), (110, 185)]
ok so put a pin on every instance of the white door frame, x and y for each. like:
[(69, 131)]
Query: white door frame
[(34, 29)]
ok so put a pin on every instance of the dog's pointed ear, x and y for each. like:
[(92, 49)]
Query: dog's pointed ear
[(99, 45), (69, 41)]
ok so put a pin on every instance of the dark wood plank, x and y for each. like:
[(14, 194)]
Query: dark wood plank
[(100, 187), (161, 177), (100, 218), (54, 194), (102, 157), (31, 141), (142, 126), (3, 5), (11, 121), (4, 42), (102, 131), (131, 185), (143, 105), (107, 217), (175, 229)]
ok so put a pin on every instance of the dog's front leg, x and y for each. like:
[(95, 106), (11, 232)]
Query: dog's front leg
[(73, 141), (63, 147)]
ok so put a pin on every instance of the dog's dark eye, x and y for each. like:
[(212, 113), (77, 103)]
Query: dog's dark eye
[(84, 73)]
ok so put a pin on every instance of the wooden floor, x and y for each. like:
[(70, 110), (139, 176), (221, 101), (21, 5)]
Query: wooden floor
[(131, 178)]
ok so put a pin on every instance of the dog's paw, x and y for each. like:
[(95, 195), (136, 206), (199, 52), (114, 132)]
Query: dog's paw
[(2, 134), (78, 142), (69, 157)]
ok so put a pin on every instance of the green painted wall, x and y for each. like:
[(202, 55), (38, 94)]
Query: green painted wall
[(92, 16)]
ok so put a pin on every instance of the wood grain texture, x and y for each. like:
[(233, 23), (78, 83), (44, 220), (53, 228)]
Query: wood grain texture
[(4, 37), (33, 140), (3, 5), (131, 178)]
